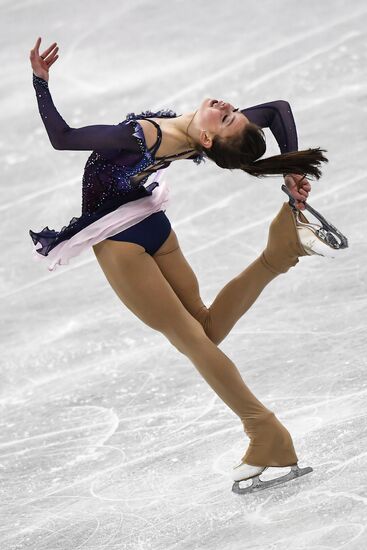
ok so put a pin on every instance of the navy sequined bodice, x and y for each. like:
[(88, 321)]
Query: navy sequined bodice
[(121, 162), (111, 173)]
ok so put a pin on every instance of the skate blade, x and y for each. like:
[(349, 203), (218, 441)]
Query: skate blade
[(258, 485), (328, 232)]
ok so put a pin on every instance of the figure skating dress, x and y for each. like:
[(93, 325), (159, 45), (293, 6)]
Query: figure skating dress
[(123, 182)]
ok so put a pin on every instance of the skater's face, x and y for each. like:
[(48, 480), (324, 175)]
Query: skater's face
[(217, 118)]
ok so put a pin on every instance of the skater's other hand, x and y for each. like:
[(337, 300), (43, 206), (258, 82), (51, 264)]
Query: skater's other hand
[(299, 187), (42, 63)]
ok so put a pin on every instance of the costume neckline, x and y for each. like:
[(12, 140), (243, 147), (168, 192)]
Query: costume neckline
[(162, 113)]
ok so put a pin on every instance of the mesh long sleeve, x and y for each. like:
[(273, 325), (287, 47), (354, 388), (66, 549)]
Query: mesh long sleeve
[(88, 138), (278, 116)]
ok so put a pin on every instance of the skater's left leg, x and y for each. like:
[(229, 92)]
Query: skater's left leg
[(140, 285)]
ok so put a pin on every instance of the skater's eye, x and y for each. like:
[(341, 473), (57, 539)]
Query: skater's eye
[(226, 116)]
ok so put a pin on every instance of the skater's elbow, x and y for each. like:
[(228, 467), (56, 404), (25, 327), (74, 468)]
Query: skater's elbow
[(59, 145), (60, 140), (282, 103)]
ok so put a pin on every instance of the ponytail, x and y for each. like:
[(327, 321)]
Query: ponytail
[(243, 151), (305, 163)]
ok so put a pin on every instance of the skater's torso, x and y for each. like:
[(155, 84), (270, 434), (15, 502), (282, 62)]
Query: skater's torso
[(124, 170)]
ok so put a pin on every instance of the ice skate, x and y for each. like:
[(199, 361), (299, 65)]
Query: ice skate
[(323, 240), (245, 472), (311, 239)]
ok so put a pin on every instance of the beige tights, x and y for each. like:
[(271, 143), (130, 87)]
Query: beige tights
[(172, 305)]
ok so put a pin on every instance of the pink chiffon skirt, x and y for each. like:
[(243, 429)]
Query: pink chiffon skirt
[(122, 218)]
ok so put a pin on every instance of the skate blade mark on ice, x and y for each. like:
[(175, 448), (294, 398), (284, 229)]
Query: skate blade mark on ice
[(258, 485), (327, 233)]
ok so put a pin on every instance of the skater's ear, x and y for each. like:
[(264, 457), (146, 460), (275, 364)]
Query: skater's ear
[(206, 139)]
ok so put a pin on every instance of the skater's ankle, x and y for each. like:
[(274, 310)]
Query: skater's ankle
[(267, 266), (279, 269)]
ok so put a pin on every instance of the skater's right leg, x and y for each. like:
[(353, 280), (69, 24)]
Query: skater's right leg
[(240, 293), (139, 283)]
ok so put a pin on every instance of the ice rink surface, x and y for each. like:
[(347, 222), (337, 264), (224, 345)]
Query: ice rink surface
[(110, 438)]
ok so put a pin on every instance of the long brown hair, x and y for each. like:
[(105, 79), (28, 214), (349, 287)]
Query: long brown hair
[(243, 151)]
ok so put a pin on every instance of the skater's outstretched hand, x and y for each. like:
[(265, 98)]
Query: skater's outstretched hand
[(299, 187), (42, 63)]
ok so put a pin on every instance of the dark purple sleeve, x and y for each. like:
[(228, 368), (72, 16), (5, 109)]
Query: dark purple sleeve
[(278, 116), (88, 138)]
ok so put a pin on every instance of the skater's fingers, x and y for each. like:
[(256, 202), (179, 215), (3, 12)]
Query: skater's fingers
[(37, 45), (297, 195), (49, 49), (301, 182), (305, 188)]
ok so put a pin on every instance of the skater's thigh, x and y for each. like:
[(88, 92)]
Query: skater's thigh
[(178, 272), (139, 283)]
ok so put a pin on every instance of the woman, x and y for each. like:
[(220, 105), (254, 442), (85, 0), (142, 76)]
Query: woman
[(139, 252)]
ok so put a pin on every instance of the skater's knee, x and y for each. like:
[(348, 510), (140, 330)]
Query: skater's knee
[(187, 340), (204, 318)]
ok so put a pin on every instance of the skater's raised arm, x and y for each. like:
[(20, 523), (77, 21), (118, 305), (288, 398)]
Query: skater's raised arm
[(278, 116), (88, 138)]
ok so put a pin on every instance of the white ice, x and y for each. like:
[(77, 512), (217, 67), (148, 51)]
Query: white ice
[(110, 438)]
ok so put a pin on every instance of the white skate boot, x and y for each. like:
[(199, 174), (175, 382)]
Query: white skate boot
[(312, 237), (243, 472), (323, 240), (246, 471)]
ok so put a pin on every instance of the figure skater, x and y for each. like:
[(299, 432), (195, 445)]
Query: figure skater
[(139, 253)]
